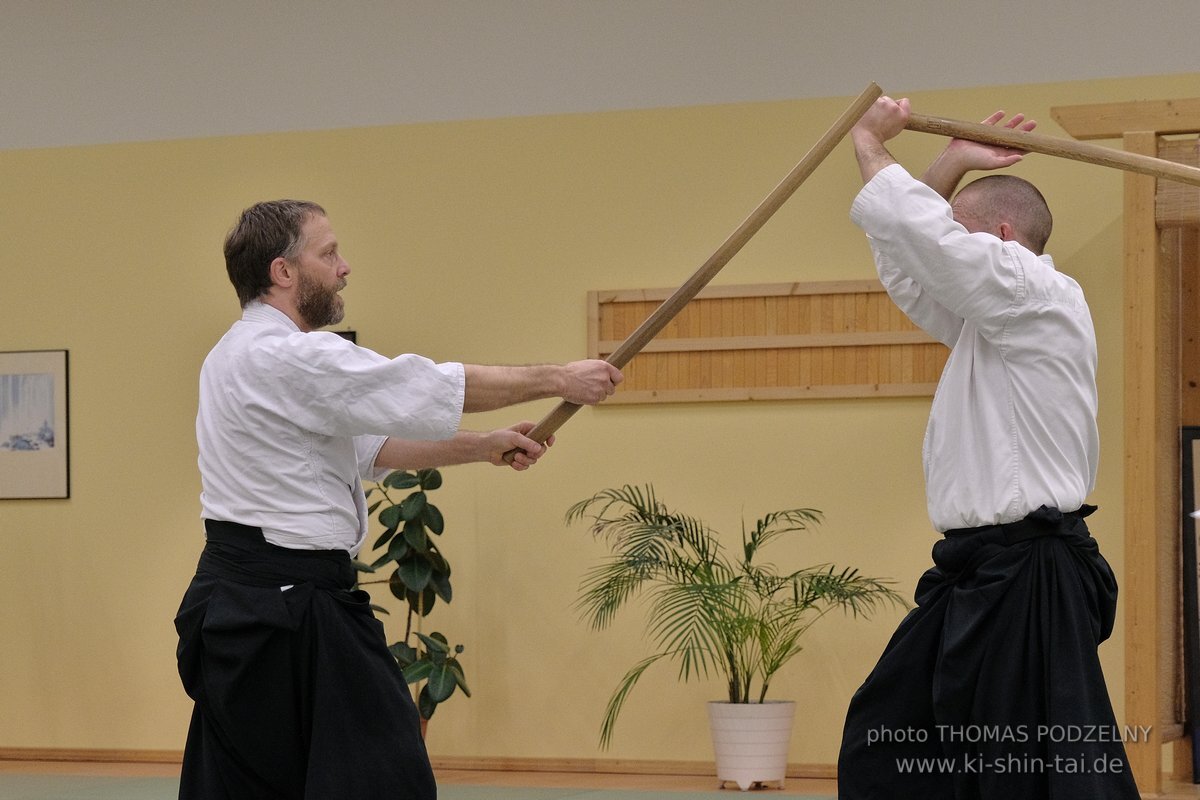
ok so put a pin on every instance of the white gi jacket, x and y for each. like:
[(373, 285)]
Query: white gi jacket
[(1013, 421), (290, 423)]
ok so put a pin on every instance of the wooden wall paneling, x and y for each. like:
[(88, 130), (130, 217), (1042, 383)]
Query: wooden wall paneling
[(768, 341)]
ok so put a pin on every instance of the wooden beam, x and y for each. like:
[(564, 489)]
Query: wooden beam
[(1112, 120), (1178, 205), (1145, 355)]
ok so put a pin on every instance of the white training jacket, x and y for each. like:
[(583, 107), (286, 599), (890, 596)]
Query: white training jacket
[(290, 423), (1013, 421)]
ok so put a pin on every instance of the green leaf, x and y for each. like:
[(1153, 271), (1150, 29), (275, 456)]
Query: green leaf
[(360, 566), (435, 642), (432, 517), (422, 603), (440, 581), (383, 539), (398, 548), (430, 479), (417, 671), (396, 585), (401, 480), (412, 506), (404, 653), (390, 517), (425, 705), (441, 683), (379, 562), (414, 534), (456, 670), (375, 505), (415, 573)]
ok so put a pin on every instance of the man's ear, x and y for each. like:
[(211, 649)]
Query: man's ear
[(1006, 232), (282, 273)]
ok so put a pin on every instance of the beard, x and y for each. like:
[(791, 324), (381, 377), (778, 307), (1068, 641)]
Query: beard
[(319, 305)]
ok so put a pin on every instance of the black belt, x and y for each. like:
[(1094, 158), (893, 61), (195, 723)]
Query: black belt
[(241, 554), (1044, 521)]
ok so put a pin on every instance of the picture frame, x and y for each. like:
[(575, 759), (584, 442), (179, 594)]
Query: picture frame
[(34, 425), (1190, 573)]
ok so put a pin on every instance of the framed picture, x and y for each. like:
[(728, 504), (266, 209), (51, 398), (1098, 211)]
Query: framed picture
[(1190, 494), (34, 438)]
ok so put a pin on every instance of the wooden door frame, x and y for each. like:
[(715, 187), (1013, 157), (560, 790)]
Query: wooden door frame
[(1151, 427)]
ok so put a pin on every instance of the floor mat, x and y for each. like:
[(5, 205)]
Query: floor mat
[(85, 787)]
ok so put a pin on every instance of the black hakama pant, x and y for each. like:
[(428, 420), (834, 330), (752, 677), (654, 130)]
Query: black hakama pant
[(296, 695), (991, 687)]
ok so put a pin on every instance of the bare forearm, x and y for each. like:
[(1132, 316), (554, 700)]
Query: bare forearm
[(871, 153), (944, 174), (465, 447), (584, 382), (492, 387)]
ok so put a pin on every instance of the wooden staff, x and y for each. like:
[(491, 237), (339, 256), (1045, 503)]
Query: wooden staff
[(1052, 146), (675, 303)]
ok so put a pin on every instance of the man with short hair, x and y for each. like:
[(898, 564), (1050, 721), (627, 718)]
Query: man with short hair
[(296, 694), (991, 687)]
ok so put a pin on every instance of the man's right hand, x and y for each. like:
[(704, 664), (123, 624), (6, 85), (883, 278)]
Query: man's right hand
[(884, 120), (589, 381)]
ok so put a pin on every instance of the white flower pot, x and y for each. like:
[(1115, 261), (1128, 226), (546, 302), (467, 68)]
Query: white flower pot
[(750, 741)]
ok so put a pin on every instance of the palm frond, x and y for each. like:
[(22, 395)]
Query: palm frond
[(682, 621), (617, 701)]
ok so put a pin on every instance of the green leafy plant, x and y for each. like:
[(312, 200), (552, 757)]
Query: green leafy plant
[(710, 611), (420, 577)]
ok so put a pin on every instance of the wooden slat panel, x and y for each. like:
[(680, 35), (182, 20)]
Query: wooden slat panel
[(769, 341)]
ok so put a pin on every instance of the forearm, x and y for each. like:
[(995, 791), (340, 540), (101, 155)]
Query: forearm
[(465, 447), (871, 153), (492, 387), (945, 173), (584, 382)]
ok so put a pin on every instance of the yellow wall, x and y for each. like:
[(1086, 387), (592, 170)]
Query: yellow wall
[(477, 241)]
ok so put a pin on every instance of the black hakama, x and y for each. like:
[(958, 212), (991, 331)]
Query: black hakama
[(296, 695), (991, 687)]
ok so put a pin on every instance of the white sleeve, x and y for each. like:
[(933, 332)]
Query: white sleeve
[(366, 449), (937, 272), (330, 386)]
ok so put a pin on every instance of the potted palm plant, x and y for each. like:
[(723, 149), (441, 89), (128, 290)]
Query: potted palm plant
[(715, 612), (420, 577)]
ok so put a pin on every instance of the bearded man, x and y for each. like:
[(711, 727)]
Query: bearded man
[(296, 694)]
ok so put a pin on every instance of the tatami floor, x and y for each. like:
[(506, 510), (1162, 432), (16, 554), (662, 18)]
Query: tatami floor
[(39, 780), (43, 780)]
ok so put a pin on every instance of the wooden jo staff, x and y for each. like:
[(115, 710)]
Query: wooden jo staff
[(977, 132), (1052, 146), (675, 303)]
